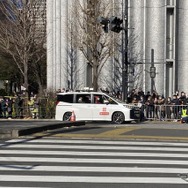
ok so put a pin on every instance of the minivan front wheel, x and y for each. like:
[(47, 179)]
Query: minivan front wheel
[(67, 116), (118, 118)]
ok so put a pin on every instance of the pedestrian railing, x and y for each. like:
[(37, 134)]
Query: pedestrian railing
[(162, 112), (44, 110)]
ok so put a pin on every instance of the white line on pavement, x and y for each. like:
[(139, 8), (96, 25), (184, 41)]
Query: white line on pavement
[(92, 179), (92, 169)]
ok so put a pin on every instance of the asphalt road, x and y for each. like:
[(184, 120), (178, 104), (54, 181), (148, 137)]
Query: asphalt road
[(149, 130), (97, 155), (172, 131)]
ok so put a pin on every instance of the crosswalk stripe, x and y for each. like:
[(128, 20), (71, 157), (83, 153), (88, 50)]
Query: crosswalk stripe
[(116, 142), (95, 147), (96, 153), (93, 169), (92, 160), (93, 179), (53, 161)]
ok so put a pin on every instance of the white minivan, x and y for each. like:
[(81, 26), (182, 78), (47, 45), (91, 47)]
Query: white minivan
[(94, 106)]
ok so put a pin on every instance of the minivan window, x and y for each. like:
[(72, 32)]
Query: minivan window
[(83, 98), (65, 98), (102, 99), (98, 99)]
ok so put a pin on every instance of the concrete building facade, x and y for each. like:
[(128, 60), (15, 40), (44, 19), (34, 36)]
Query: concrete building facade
[(160, 25)]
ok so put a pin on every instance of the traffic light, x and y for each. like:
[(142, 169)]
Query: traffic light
[(104, 21), (115, 24)]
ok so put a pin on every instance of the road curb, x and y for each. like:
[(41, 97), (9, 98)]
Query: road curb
[(15, 132)]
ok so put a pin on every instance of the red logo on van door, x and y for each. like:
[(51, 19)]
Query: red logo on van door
[(104, 112)]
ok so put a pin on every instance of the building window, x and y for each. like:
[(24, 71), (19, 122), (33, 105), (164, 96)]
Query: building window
[(170, 2)]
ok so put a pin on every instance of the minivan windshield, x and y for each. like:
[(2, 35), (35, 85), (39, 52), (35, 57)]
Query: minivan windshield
[(116, 99)]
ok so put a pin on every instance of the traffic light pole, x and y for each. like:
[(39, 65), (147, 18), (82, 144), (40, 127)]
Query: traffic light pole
[(125, 51), (114, 24)]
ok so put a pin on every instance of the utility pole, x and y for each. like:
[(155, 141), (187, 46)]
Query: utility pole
[(125, 51)]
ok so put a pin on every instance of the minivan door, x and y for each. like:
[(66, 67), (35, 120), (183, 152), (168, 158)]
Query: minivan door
[(83, 106), (100, 108)]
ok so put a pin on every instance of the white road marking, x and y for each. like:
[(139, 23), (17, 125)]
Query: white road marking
[(93, 147), (92, 179), (56, 149), (92, 169), (93, 160), (80, 153), (56, 141)]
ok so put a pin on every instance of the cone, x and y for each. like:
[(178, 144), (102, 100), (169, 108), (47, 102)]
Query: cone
[(72, 117)]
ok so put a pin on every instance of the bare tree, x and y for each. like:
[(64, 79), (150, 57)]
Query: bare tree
[(73, 69), (95, 45), (135, 62), (135, 65), (22, 33), (99, 47)]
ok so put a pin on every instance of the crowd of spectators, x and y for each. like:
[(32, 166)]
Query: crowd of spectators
[(17, 107), (10, 106), (155, 106)]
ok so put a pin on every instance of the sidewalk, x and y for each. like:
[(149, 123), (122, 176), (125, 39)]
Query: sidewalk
[(13, 128)]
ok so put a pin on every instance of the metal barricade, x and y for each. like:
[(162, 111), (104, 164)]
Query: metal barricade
[(45, 109), (163, 112)]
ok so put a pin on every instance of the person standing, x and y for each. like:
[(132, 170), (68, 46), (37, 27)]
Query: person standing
[(175, 108), (4, 108), (9, 107), (18, 106), (34, 107), (1, 113), (31, 106), (183, 99), (156, 108), (168, 108), (149, 108), (161, 103), (184, 115)]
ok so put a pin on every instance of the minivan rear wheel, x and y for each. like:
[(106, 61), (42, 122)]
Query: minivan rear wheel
[(67, 116), (118, 118)]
